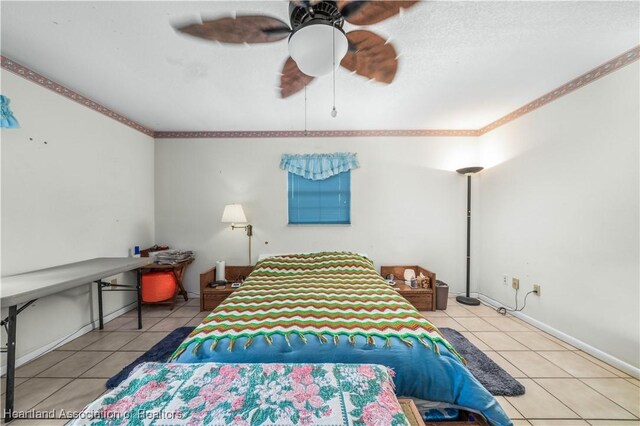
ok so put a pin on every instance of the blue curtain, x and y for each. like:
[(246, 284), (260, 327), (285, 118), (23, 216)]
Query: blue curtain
[(319, 166), (6, 116)]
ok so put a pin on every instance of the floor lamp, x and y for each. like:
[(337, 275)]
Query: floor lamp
[(468, 171)]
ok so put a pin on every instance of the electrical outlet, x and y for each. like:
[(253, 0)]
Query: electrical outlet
[(536, 289), (515, 283), (114, 281), (504, 280)]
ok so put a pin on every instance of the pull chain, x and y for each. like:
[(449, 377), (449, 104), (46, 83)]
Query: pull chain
[(334, 112), (305, 110)]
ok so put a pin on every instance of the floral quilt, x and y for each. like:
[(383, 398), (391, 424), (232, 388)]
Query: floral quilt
[(249, 394)]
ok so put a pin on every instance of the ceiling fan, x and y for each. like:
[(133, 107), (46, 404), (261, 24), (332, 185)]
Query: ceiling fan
[(317, 41)]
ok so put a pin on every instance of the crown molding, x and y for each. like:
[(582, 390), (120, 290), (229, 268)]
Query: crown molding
[(608, 67), (34, 77), (315, 134)]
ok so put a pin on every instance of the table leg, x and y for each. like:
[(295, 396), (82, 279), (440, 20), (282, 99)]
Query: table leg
[(11, 363), (179, 273), (100, 313), (139, 294)]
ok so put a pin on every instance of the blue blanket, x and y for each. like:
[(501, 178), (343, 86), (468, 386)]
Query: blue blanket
[(420, 372)]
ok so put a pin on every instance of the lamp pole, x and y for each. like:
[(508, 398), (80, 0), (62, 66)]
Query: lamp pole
[(468, 300), (249, 229)]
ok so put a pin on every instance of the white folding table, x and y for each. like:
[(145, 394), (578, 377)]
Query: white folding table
[(28, 287)]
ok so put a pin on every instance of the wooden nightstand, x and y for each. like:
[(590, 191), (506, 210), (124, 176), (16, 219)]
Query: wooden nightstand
[(424, 299), (211, 297)]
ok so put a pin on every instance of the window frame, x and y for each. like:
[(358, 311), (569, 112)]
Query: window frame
[(319, 222)]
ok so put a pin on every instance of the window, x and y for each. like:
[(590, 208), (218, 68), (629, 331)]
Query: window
[(319, 187), (326, 201)]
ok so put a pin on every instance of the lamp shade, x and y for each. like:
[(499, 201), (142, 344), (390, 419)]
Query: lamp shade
[(468, 171), (311, 48), (233, 213)]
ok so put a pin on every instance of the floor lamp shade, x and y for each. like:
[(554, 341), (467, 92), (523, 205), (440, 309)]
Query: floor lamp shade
[(468, 172)]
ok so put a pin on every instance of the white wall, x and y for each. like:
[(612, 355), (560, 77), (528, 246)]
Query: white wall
[(87, 192), (407, 206), (560, 208)]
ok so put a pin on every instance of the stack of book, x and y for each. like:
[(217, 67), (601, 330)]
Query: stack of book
[(171, 257)]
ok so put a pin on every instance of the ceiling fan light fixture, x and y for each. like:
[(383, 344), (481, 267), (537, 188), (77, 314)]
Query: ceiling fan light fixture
[(310, 47)]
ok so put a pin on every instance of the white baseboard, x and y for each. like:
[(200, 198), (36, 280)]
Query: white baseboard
[(603, 356), (84, 330), (464, 293)]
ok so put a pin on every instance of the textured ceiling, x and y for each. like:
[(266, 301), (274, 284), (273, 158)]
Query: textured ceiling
[(462, 64)]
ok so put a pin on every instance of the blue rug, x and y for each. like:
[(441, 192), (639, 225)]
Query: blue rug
[(160, 352), (497, 381)]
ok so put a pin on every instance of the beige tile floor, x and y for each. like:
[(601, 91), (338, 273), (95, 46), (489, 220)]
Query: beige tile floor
[(565, 386)]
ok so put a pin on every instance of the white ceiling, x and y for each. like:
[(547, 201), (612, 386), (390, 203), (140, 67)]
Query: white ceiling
[(462, 64)]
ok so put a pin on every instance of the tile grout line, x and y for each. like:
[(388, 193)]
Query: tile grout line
[(557, 399), (582, 354), (597, 391), (45, 369), (579, 416), (51, 378), (60, 390), (587, 360), (76, 377), (522, 417)]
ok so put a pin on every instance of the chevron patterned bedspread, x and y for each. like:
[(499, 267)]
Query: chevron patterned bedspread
[(325, 296)]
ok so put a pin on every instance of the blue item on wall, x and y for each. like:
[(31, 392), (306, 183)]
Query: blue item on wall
[(325, 201), (319, 187), (7, 120), (319, 166)]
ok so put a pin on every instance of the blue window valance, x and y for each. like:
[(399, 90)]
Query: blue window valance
[(319, 166), (7, 120)]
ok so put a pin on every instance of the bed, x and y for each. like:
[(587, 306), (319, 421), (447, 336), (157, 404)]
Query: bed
[(333, 307)]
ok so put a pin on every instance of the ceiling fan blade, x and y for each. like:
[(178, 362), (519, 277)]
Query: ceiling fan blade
[(370, 56), (293, 80), (360, 12), (241, 29)]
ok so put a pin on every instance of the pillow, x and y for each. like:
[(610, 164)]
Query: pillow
[(266, 255)]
